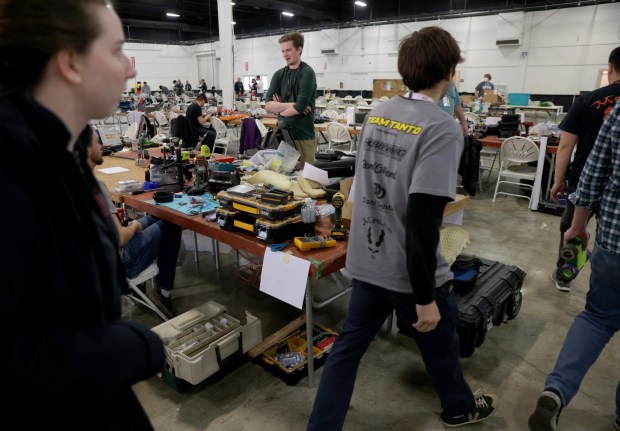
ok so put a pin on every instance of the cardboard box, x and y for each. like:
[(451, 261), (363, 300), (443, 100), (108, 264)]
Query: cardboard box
[(466, 98), (346, 188), (490, 97)]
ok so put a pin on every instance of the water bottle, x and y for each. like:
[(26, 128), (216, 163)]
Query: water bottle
[(308, 217)]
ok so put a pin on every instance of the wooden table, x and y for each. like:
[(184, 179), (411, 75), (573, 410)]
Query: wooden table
[(111, 180), (322, 262)]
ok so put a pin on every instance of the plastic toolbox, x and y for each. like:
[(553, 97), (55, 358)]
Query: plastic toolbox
[(494, 299), (198, 342), (284, 353), (252, 205), (272, 232)]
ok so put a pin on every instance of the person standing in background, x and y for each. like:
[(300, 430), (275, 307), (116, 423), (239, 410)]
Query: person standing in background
[(239, 87), (188, 86), (63, 65), (451, 103), (594, 327), (259, 87), (579, 129), (146, 89), (393, 252), (203, 86), (484, 85), (292, 95)]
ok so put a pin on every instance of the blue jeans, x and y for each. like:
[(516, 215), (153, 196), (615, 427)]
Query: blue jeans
[(592, 328), (159, 240), (370, 305)]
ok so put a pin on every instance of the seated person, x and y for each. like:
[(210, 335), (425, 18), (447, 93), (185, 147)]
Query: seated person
[(198, 119), (144, 240)]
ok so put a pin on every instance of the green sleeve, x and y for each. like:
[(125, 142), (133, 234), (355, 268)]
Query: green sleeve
[(307, 90), (274, 85)]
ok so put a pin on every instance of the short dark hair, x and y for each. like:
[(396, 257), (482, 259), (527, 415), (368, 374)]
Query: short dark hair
[(614, 59), (296, 37), (426, 57), (33, 31), (488, 75), (201, 97)]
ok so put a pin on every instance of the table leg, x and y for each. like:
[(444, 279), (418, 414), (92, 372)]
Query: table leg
[(309, 334), (539, 171), (216, 253)]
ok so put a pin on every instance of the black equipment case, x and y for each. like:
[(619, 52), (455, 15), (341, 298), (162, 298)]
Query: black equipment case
[(343, 167), (495, 298)]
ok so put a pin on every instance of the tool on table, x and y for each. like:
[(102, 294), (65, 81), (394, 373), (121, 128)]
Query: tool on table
[(338, 232), (305, 243), (575, 256)]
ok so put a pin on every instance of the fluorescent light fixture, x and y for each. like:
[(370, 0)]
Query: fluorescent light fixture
[(173, 15), (287, 14), (233, 22), (360, 3), (232, 3)]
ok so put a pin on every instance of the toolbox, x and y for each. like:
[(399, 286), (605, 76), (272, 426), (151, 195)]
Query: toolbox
[(272, 232), (495, 298), (252, 205), (200, 341), (284, 353)]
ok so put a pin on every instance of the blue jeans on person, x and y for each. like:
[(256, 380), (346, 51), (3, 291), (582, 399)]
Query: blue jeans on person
[(369, 307), (159, 240), (592, 328)]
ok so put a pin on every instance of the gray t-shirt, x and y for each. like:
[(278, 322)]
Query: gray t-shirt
[(406, 146)]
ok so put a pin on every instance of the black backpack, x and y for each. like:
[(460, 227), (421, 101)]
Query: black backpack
[(272, 139)]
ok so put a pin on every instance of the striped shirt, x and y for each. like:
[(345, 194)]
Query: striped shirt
[(598, 184)]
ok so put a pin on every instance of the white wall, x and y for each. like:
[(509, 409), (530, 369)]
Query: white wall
[(561, 52)]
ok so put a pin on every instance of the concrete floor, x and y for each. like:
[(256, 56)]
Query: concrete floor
[(393, 391)]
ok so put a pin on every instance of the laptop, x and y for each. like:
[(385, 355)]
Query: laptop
[(110, 137)]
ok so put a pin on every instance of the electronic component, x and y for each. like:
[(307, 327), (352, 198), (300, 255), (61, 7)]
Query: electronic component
[(305, 243)]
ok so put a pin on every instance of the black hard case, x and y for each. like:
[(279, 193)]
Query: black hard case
[(494, 299)]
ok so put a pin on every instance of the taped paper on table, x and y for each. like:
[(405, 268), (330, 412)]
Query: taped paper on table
[(284, 276), (113, 170)]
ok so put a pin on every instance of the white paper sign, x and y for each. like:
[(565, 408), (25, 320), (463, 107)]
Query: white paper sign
[(284, 276), (317, 174), (114, 170)]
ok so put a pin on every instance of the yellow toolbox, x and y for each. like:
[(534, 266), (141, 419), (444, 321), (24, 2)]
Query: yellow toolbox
[(251, 204)]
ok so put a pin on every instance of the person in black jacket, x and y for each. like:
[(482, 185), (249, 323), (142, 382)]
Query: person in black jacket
[(67, 356)]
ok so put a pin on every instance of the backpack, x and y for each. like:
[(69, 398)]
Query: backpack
[(272, 139), (465, 270)]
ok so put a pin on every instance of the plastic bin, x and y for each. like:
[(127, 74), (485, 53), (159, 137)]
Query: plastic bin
[(200, 341), (519, 99)]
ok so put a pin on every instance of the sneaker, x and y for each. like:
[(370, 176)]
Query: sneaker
[(164, 304), (485, 406), (560, 284), (547, 413)]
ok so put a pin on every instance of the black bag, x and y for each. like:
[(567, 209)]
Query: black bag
[(272, 139)]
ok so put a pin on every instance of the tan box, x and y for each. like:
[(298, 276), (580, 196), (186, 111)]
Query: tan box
[(467, 98), (347, 209), (490, 97)]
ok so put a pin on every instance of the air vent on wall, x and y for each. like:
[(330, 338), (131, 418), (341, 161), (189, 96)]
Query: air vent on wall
[(331, 51), (508, 42)]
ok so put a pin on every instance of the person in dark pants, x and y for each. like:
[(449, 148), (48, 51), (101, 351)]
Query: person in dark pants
[(143, 241), (594, 327), (579, 129), (418, 148), (198, 119), (68, 356)]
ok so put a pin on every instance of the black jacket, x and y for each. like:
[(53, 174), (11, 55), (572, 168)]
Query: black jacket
[(66, 357)]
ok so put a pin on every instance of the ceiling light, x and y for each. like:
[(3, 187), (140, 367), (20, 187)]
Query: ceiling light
[(173, 15), (233, 22), (360, 3), (232, 3), (287, 14)]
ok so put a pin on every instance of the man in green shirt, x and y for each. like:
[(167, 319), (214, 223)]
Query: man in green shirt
[(291, 95)]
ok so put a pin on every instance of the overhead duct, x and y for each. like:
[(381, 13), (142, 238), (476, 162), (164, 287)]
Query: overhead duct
[(509, 28)]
